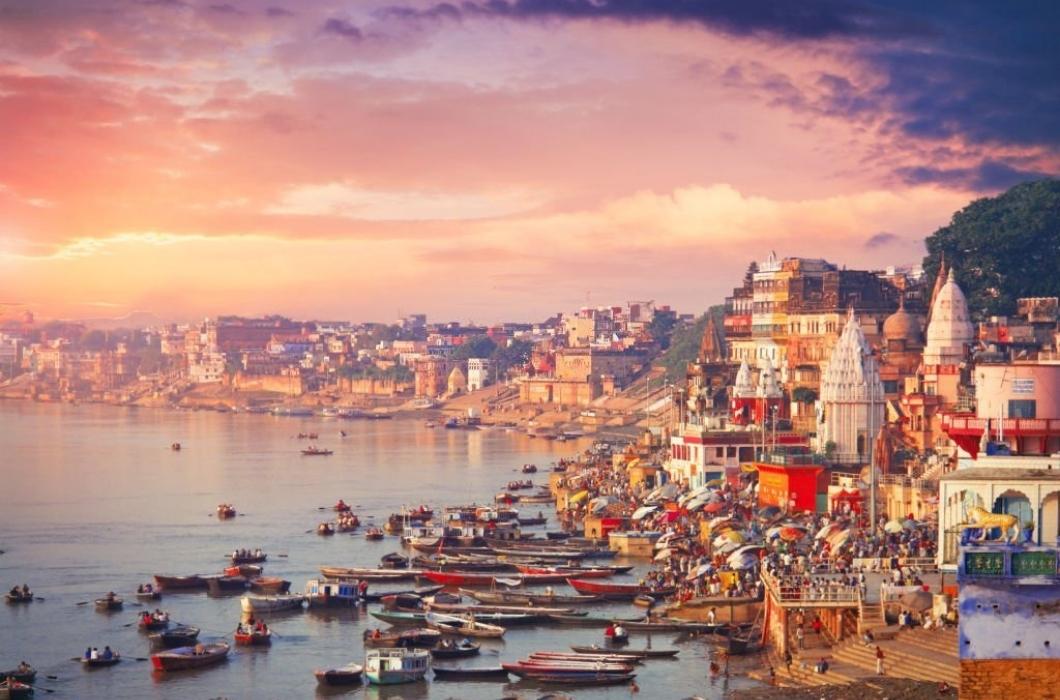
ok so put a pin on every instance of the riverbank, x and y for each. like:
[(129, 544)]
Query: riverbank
[(889, 688)]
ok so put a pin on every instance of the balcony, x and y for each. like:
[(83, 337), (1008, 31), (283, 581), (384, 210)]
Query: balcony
[(1017, 427)]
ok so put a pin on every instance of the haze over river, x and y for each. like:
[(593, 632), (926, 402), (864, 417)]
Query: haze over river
[(94, 500)]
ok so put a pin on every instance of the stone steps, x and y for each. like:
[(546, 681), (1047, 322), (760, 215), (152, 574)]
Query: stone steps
[(930, 657)]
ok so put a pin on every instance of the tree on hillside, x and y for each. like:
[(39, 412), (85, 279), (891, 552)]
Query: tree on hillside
[(1003, 248), (685, 342)]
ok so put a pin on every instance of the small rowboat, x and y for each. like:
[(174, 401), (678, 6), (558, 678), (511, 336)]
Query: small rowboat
[(495, 673), (346, 675), (219, 585), (459, 650), (248, 558), (597, 679), (153, 624), (184, 658), (588, 620), (632, 653), (669, 625), (421, 638), (402, 617), (316, 452), (27, 676), (180, 583), (226, 511), (20, 597), (466, 626), (109, 603), (644, 601), (325, 529), (248, 570), (562, 656), (270, 584), (148, 595), (177, 637), (254, 638), (270, 603), (343, 572), (15, 690), (101, 662), (374, 534), (522, 598)]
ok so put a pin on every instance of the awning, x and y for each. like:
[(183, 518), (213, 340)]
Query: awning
[(671, 515), (712, 508), (644, 511), (578, 497)]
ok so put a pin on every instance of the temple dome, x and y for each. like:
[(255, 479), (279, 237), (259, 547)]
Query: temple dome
[(902, 325)]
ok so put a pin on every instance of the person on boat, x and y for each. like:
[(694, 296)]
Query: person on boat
[(620, 633), (15, 593), (111, 596), (140, 588), (199, 649), (362, 590), (23, 667), (88, 652), (609, 633), (94, 655), (107, 654), (712, 616), (376, 634)]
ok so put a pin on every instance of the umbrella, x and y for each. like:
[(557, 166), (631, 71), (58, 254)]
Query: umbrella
[(826, 531), (712, 508), (893, 527), (696, 503), (644, 511), (773, 532), (791, 534), (910, 524), (663, 553), (916, 600), (701, 570), (748, 548), (838, 539), (768, 511), (715, 482), (742, 560), (727, 547)]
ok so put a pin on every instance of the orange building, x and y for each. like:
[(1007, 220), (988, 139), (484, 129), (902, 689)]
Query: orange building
[(793, 481)]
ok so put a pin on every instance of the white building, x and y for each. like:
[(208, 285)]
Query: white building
[(851, 408), (208, 368), (950, 331), (478, 370)]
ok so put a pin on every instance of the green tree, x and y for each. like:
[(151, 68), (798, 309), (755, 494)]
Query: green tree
[(479, 346), (685, 342), (516, 353), (1003, 248)]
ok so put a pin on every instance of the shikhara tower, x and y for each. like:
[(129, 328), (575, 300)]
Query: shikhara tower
[(851, 407)]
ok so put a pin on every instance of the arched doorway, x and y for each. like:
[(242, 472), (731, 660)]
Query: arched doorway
[(1049, 519), (1016, 503)]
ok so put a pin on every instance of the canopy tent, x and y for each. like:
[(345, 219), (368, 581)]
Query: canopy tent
[(893, 527), (578, 497), (791, 534)]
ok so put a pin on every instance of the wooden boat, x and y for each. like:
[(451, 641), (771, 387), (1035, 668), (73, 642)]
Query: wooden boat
[(226, 511), (470, 578), (489, 673), (176, 637), (668, 625), (253, 638), (418, 618), (532, 667), (624, 652), (148, 595), (180, 583), (644, 601), (537, 498), (316, 452), (549, 554), (533, 520), (20, 597), (270, 584), (219, 585), (342, 507), (332, 593), (101, 662), (557, 536), (153, 624), (248, 558), (374, 534), (15, 690), (459, 650), (616, 591), (529, 469), (573, 571), (175, 447), (523, 598), (184, 658), (420, 592), (420, 637), (248, 570), (465, 625), (588, 620), (27, 676), (109, 604), (392, 666), (342, 572), (325, 529), (597, 679), (345, 675), (464, 608), (270, 603), (393, 560)]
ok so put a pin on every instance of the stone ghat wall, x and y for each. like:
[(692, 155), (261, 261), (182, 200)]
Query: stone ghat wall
[(1013, 678)]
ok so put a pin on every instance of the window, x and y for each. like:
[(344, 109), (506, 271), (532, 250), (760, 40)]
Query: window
[(890, 386), (1022, 408)]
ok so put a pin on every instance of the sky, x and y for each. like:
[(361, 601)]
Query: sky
[(494, 159)]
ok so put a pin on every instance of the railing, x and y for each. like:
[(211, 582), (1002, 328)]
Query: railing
[(828, 595), (1015, 426), (920, 564)]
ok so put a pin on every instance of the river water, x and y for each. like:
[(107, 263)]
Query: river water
[(93, 500)]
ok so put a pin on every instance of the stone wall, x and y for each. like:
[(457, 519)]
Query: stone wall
[(1015, 678)]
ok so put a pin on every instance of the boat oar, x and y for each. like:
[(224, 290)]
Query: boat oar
[(52, 678), (41, 687), (83, 602), (40, 600)]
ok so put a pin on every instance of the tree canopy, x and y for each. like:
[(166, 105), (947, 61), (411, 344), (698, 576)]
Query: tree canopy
[(684, 344), (479, 346), (1003, 248)]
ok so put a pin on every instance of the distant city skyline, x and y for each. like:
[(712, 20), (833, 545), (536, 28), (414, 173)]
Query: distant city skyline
[(492, 160)]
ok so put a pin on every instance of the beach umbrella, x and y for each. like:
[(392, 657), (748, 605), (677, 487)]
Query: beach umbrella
[(910, 524), (893, 527), (663, 554), (644, 511), (715, 482), (701, 570), (712, 508), (791, 534), (773, 532), (826, 531), (741, 559), (727, 547), (768, 512), (838, 539)]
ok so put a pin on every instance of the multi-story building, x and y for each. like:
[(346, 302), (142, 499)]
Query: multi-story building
[(477, 373), (432, 375)]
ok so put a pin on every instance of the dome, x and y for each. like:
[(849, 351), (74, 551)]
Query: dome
[(902, 325)]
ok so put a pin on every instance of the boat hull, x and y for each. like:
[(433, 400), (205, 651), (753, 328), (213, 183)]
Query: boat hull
[(185, 658)]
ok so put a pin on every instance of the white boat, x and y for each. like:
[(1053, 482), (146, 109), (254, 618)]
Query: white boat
[(271, 603), (391, 666)]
